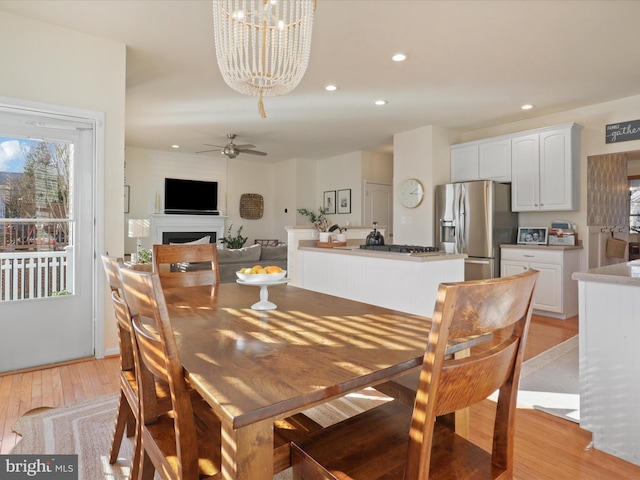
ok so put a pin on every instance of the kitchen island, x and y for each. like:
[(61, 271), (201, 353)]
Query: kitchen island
[(404, 282), (609, 338)]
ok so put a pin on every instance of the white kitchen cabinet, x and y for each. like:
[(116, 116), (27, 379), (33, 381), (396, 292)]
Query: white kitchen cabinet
[(464, 162), (482, 160), (546, 169), (556, 294)]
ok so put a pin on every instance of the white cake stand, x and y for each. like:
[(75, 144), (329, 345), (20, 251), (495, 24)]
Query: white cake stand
[(264, 303)]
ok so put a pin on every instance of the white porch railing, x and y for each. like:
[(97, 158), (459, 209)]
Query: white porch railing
[(35, 274)]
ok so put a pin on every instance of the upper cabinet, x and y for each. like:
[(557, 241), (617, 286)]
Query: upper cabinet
[(543, 166), (546, 169), (482, 160)]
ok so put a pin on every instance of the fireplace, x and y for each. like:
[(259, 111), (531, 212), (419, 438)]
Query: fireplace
[(183, 237), (185, 228)]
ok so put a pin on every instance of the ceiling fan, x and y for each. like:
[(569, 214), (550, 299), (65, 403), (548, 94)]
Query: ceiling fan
[(232, 150)]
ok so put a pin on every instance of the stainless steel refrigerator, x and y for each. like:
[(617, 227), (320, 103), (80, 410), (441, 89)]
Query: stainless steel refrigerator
[(475, 218)]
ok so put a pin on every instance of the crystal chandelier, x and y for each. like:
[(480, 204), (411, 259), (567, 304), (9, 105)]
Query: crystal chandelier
[(263, 46)]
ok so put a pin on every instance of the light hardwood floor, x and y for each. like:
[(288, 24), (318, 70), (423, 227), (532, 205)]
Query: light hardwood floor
[(547, 448)]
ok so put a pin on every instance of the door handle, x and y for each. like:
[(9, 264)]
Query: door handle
[(477, 262)]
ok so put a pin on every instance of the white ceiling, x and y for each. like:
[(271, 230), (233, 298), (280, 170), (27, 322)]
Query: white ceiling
[(471, 65)]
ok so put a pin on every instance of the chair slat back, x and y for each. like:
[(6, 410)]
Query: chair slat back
[(180, 256), (157, 355), (502, 306), (112, 267)]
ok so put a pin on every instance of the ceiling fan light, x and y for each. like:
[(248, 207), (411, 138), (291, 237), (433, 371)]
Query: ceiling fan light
[(262, 47)]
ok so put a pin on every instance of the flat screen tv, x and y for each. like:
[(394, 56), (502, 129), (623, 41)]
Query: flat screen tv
[(190, 197)]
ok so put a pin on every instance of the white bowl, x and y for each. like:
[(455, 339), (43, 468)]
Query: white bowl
[(261, 277)]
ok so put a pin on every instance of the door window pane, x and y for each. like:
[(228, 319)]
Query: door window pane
[(34, 217), (634, 204)]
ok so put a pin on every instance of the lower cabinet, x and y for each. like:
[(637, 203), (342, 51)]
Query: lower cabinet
[(556, 294)]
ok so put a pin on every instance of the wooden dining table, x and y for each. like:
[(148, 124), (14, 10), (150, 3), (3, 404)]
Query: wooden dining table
[(254, 367)]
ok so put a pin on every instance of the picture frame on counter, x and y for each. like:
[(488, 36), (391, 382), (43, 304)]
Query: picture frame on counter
[(532, 235), (329, 202), (344, 201)]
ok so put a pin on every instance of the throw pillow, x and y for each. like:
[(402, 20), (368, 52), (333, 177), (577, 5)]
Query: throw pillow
[(249, 255), (274, 253)]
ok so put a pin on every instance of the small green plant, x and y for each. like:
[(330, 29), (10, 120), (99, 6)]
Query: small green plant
[(318, 219), (145, 256), (236, 241), (59, 293)]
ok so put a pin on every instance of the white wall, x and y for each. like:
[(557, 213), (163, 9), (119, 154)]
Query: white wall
[(48, 64), (422, 153)]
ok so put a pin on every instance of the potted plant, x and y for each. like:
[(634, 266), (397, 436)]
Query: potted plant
[(317, 219), (145, 255), (236, 241)]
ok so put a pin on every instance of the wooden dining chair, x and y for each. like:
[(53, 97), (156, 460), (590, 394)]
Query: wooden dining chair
[(172, 443), (183, 443), (174, 263), (396, 441), (126, 417)]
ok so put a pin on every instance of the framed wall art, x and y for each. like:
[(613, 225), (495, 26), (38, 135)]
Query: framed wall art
[(344, 201), (329, 202), (532, 235)]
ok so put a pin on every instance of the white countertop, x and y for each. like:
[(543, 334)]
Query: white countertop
[(409, 257), (543, 247), (626, 273)]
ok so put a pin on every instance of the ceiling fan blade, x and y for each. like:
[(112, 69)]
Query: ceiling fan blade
[(217, 146), (253, 152), (207, 151), (246, 146)]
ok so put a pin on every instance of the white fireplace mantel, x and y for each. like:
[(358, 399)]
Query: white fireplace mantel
[(186, 223)]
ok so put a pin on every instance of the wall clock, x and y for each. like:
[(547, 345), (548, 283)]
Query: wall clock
[(411, 193)]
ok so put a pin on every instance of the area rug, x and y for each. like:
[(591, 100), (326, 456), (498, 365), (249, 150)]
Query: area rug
[(549, 382), (86, 428)]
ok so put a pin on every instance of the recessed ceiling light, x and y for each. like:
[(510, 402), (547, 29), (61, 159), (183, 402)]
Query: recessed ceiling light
[(331, 88), (175, 146), (381, 102), (399, 57), (527, 106)]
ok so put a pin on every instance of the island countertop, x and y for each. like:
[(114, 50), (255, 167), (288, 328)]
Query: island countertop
[(407, 282), (409, 257), (627, 273)]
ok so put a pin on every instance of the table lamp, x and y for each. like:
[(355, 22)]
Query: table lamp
[(138, 228)]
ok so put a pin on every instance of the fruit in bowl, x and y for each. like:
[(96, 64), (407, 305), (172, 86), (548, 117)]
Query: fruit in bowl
[(258, 273)]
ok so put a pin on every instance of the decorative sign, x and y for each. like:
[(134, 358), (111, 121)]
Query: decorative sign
[(623, 131)]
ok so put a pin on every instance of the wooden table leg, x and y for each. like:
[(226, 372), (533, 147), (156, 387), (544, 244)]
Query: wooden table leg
[(247, 452)]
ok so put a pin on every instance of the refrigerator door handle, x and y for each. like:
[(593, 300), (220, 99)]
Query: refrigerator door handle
[(459, 209), (477, 262)]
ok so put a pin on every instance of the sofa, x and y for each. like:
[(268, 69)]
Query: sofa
[(232, 260)]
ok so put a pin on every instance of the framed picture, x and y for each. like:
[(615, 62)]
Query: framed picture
[(532, 235), (344, 201), (329, 202), (126, 198)]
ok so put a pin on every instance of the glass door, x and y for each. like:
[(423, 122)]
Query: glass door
[(46, 242)]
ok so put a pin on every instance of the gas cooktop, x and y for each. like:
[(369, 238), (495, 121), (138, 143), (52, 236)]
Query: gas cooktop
[(399, 248)]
